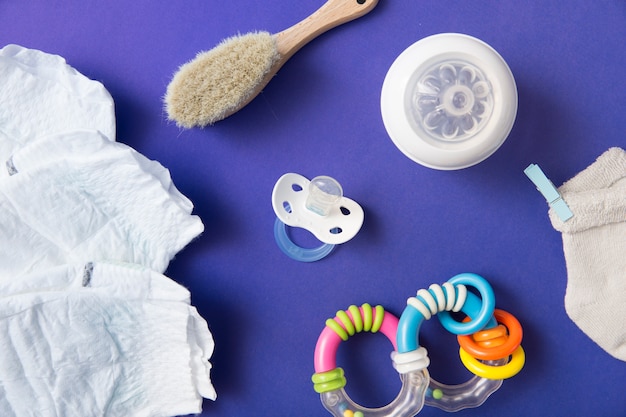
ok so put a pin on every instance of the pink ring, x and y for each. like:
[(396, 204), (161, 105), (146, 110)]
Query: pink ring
[(328, 341)]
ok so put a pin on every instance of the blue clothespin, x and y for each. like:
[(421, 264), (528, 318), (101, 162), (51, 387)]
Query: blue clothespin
[(549, 191)]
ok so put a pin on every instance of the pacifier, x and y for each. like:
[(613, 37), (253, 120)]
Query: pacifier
[(317, 206), (449, 101)]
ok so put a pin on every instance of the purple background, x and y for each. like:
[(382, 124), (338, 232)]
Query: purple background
[(320, 115)]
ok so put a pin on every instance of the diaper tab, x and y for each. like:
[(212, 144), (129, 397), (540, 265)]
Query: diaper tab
[(11, 170)]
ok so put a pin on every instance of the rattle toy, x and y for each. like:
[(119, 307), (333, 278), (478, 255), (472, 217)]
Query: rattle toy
[(317, 206), (489, 341), (329, 380), (487, 334)]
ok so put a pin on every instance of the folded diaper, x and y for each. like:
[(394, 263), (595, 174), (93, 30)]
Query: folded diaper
[(42, 95), (86, 146), (101, 340), (91, 200), (88, 325)]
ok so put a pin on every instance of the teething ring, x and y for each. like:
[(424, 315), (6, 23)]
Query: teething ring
[(346, 324), (329, 380), (518, 358), (487, 351), (451, 296)]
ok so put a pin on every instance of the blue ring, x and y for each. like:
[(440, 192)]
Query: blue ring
[(296, 252), (479, 311)]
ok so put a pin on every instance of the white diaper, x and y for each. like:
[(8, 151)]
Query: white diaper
[(90, 200), (86, 146), (42, 95), (88, 325), (101, 340)]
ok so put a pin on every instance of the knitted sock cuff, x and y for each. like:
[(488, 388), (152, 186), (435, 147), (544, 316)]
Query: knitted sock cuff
[(594, 195)]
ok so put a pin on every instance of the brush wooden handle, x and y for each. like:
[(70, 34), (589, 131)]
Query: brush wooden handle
[(333, 13)]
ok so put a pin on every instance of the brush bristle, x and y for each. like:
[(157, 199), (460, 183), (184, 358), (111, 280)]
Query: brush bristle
[(218, 81)]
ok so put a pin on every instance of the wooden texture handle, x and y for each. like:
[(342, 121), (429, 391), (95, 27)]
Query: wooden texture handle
[(333, 13)]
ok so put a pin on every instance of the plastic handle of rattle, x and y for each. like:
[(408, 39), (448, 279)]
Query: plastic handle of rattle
[(408, 402)]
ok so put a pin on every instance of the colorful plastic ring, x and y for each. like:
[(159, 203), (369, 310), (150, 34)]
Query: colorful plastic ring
[(329, 381), (494, 372), (474, 392), (411, 321), (514, 339), (342, 326), (491, 337), (297, 252), (480, 319)]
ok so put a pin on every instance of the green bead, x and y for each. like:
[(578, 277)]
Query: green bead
[(336, 327), (356, 318), (328, 381), (378, 320), (367, 317)]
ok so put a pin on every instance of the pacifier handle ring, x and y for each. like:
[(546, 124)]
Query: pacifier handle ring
[(296, 252)]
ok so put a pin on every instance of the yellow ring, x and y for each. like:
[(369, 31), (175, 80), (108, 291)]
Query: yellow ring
[(518, 357)]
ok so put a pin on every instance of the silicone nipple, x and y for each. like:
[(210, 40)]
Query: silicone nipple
[(449, 101), (452, 100), (324, 194)]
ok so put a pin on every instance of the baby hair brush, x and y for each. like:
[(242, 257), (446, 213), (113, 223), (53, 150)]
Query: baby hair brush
[(221, 81)]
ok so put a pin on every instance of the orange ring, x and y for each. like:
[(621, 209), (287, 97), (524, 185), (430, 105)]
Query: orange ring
[(495, 351), (489, 334), (493, 337)]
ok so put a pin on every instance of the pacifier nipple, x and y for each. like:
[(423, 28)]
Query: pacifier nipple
[(324, 193)]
